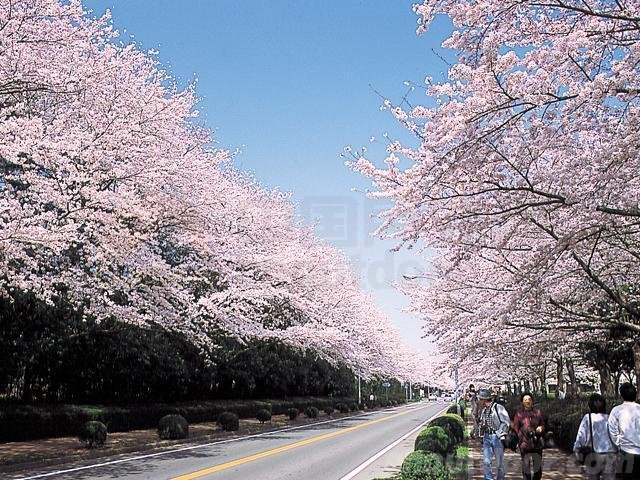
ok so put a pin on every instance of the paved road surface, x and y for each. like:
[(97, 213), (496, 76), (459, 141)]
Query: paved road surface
[(330, 450)]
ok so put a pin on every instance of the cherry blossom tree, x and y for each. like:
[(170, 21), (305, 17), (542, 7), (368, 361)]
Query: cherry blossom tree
[(525, 173), (112, 196)]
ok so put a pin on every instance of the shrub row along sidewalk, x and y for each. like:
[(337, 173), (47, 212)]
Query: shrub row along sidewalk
[(440, 451), (29, 422)]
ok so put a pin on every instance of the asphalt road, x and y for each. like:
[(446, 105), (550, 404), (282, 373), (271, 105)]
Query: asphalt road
[(330, 450)]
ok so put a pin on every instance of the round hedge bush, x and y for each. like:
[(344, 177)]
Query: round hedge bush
[(342, 407), (454, 409), (293, 413), (435, 440), (457, 418), (452, 424), (423, 466), (311, 412), (172, 427), (328, 409), (228, 421), (93, 434), (263, 415), (353, 407)]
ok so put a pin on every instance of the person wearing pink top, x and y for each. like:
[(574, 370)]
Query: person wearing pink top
[(529, 425)]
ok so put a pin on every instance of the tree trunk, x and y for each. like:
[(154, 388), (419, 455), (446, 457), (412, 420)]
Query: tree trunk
[(560, 373), (616, 382), (636, 361), (606, 383), (573, 385), (27, 391)]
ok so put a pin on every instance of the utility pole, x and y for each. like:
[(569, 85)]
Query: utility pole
[(359, 391)]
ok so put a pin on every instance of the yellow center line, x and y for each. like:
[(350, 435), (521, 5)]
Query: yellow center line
[(284, 448)]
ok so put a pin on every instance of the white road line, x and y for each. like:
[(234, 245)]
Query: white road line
[(191, 447), (368, 462)]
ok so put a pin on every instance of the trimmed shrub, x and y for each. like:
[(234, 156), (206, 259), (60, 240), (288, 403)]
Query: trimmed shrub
[(435, 440), (228, 421), (311, 412), (328, 410), (452, 424), (30, 422), (264, 406), (423, 466), (353, 407), (263, 415), (93, 434), (172, 427), (454, 409), (565, 428), (293, 413), (342, 407)]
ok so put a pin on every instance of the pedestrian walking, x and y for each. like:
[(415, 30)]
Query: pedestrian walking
[(624, 429), (472, 396), (593, 445), (493, 427), (529, 425)]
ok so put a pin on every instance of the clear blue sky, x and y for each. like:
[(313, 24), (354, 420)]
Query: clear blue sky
[(291, 83)]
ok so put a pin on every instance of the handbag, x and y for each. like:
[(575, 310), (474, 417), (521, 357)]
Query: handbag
[(511, 440), (585, 450)]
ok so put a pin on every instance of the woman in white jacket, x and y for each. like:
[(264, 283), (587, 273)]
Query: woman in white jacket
[(594, 433)]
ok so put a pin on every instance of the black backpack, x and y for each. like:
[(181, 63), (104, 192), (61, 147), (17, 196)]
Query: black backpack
[(511, 439)]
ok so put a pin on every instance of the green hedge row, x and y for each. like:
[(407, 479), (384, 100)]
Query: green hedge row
[(433, 444), (23, 422)]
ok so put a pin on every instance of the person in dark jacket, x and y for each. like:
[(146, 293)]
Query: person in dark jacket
[(529, 425)]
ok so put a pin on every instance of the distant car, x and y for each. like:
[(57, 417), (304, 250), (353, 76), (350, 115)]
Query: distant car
[(432, 398)]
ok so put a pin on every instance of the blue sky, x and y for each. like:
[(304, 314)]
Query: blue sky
[(291, 84)]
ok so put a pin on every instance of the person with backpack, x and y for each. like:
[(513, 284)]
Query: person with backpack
[(529, 425), (593, 446), (624, 429), (493, 426)]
